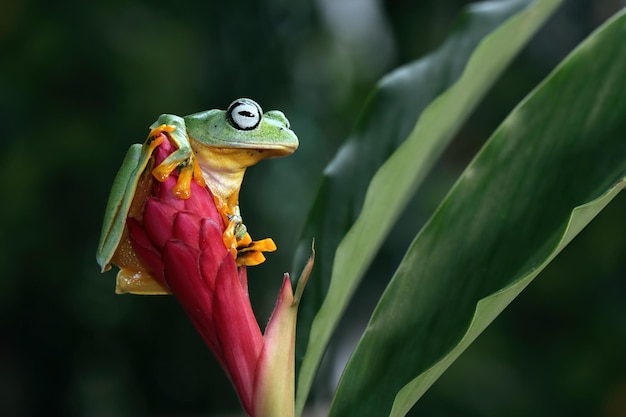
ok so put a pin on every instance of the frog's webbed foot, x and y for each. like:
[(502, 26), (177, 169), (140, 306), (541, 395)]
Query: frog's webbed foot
[(237, 239), (182, 159), (251, 253)]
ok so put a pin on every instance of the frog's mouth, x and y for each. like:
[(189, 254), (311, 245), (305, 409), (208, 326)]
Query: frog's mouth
[(263, 150), (237, 155), (274, 150)]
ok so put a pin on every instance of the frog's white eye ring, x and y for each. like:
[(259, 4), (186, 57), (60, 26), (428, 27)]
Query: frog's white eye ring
[(244, 114)]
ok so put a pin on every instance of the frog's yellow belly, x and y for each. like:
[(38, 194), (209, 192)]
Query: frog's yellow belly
[(223, 168)]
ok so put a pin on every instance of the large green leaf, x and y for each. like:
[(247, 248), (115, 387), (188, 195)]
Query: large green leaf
[(477, 57), (554, 163)]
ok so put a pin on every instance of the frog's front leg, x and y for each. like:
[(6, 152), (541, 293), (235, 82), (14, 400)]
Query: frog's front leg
[(183, 158)]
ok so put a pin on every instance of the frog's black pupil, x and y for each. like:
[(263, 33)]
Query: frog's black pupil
[(245, 113)]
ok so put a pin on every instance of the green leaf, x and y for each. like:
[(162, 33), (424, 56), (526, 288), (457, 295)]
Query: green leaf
[(472, 54), (553, 164)]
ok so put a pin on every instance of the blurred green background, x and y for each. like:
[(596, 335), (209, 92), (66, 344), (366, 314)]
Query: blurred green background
[(80, 83)]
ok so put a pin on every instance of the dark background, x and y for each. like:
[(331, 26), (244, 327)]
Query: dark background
[(80, 83)]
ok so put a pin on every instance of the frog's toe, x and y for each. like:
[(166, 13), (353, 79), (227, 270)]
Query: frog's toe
[(263, 245), (182, 189), (167, 129), (252, 253), (244, 241), (188, 169), (229, 239), (250, 259), (164, 170)]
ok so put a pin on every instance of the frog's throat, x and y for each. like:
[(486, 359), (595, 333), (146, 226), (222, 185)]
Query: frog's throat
[(223, 168)]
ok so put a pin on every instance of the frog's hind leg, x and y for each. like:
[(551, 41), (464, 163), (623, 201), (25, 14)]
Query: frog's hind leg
[(236, 238)]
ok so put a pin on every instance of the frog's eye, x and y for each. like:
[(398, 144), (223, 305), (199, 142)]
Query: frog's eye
[(244, 114)]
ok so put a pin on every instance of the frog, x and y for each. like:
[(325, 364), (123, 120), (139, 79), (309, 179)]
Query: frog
[(213, 148)]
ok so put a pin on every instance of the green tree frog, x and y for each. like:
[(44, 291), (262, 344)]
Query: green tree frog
[(214, 148)]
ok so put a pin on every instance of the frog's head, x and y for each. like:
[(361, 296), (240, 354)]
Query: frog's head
[(243, 126)]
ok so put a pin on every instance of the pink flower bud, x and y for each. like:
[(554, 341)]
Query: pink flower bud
[(179, 243)]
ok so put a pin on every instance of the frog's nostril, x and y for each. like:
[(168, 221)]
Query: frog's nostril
[(279, 116)]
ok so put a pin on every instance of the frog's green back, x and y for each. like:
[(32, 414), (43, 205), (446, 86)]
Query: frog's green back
[(120, 198)]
